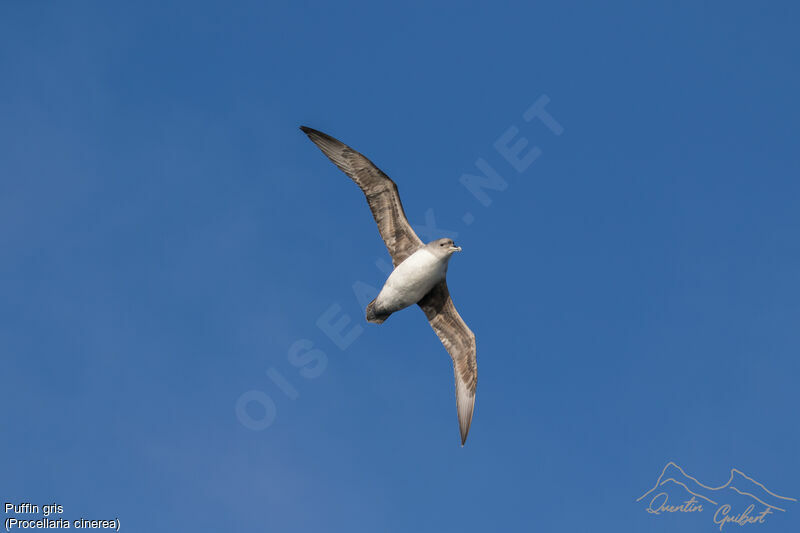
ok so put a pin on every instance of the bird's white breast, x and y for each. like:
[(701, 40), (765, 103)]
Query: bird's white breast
[(411, 280)]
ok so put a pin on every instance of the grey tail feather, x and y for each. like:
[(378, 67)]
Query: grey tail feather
[(375, 316)]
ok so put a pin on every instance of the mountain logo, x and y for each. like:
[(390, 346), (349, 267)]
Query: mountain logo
[(741, 500)]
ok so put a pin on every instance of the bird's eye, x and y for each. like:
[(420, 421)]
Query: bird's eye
[(442, 244)]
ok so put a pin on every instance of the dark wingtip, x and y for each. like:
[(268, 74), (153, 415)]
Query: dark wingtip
[(314, 135)]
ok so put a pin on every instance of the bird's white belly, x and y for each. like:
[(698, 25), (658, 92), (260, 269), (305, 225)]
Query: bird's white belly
[(411, 280)]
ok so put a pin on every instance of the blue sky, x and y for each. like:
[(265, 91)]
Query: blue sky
[(167, 234)]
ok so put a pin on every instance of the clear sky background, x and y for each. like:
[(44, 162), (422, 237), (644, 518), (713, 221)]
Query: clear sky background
[(167, 234)]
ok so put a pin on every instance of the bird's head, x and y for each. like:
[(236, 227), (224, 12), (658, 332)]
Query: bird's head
[(443, 247)]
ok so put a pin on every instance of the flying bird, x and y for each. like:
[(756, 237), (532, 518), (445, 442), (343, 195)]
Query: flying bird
[(419, 270)]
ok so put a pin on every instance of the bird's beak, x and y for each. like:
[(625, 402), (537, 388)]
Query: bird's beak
[(456, 248)]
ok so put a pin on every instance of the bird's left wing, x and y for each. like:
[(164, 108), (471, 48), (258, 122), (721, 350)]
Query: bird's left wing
[(380, 190), (460, 344)]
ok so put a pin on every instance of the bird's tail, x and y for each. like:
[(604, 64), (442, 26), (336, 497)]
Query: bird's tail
[(376, 316)]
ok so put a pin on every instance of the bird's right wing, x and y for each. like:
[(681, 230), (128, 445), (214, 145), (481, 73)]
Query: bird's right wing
[(381, 193), (460, 344)]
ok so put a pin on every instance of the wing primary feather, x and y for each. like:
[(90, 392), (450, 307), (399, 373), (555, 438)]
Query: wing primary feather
[(459, 341), (381, 193)]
